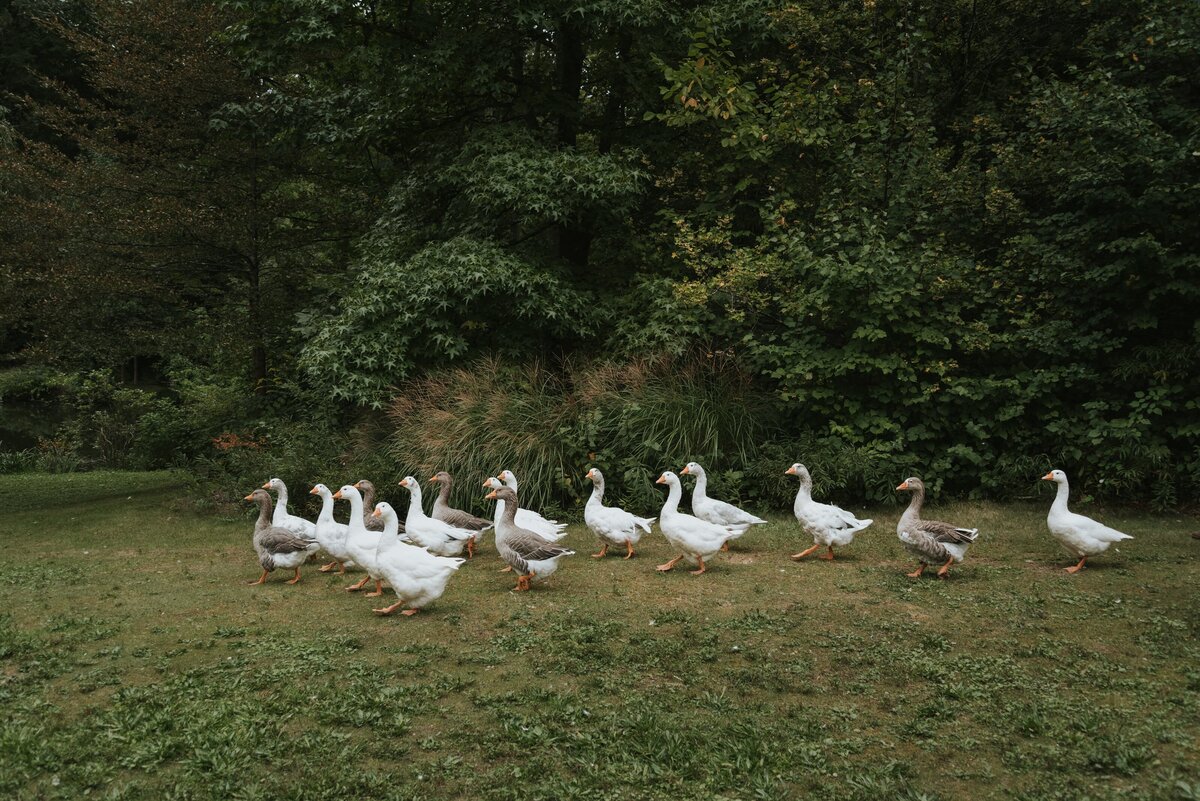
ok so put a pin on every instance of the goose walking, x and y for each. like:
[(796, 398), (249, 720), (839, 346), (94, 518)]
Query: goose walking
[(827, 524), (282, 517), (331, 534), (1081, 536), (930, 541), (369, 520), (528, 518), (416, 576), (717, 512), (277, 547), (443, 511), (361, 543), (434, 536), (612, 525), (530, 555), (696, 539)]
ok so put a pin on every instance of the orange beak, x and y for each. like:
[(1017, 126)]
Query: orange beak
[(337, 496), (485, 482), (903, 486), (491, 495), (403, 482), (589, 474), (791, 471), (312, 491), (358, 485), (1048, 477), (376, 513), (661, 480), (433, 479), (267, 485), (684, 472), (249, 497)]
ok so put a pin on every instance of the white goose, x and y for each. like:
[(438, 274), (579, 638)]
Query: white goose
[(697, 539), (417, 576), (828, 525), (612, 525), (530, 521), (1081, 536), (330, 533), (714, 511), (361, 544), (282, 518), (434, 536)]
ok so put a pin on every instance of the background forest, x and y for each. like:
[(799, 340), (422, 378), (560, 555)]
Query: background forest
[(323, 238)]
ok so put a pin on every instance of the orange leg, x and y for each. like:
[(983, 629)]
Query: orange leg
[(410, 612), (328, 567), (341, 568), (523, 582), (505, 569), (378, 590), (804, 553), (359, 585), (700, 559), (297, 578), (725, 545), (917, 573), (828, 555), (603, 551), (387, 610), (945, 568), (628, 549), (471, 548), (663, 568), (1076, 568), (261, 579)]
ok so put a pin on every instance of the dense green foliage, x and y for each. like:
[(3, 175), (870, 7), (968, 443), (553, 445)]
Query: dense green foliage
[(956, 238)]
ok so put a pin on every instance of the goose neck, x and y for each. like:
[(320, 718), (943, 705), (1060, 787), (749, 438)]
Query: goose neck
[(264, 513), (281, 501), (674, 493), (326, 515), (597, 493), (913, 512), (1060, 497), (701, 489)]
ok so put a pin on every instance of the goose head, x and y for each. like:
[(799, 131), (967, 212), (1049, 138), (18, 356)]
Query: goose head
[(319, 489), (595, 475), (912, 483), (275, 484), (412, 485), (692, 469), (384, 511), (502, 494), (258, 495), (508, 477), (493, 483), (345, 492), (796, 470), (440, 476), (668, 478), (1057, 476)]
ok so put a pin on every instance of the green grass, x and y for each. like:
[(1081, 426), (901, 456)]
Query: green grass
[(136, 663)]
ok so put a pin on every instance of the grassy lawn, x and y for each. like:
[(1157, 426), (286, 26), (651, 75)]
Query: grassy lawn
[(136, 663)]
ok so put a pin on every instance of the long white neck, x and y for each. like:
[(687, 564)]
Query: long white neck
[(415, 510), (511, 482), (326, 515), (701, 489), (1060, 499), (281, 501), (391, 532), (356, 509), (674, 493), (597, 493), (805, 491)]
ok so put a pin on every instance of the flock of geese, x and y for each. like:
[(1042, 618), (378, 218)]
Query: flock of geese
[(417, 556)]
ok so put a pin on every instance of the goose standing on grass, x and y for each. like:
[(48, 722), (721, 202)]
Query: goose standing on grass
[(434, 536), (526, 519), (443, 511), (282, 518), (532, 520), (696, 539), (529, 554), (714, 511), (361, 544), (369, 520), (610, 524), (416, 576), (828, 525), (1081, 536), (276, 546), (331, 534), (929, 541)]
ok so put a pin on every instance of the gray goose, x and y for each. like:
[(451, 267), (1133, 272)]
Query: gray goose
[(528, 553), (276, 546), (930, 541), (442, 510), (368, 495)]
